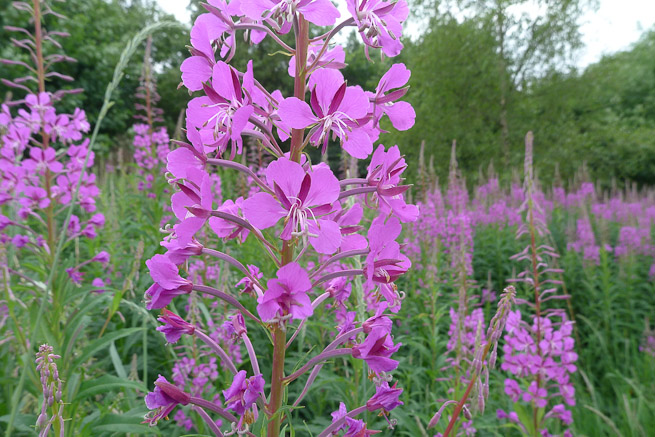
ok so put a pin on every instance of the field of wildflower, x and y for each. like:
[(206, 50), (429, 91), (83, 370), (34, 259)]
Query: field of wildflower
[(227, 279)]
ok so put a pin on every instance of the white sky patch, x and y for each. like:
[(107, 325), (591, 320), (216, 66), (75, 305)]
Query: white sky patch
[(615, 26)]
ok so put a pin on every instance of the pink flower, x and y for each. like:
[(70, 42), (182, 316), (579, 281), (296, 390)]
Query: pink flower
[(302, 198), (168, 282), (336, 110), (243, 392), (226, 229), (198, 69), (379, 23), (42, 160), (319, 12), (384, 172), (376, 350), (385, 398), (385, 263), (163, 400), (513, 390), (223, 114), (189, 159), (331, 58), (35, 197), (195, 193), (286, 295), (536, 394), (174, 326), (246, 282), (401, 114)]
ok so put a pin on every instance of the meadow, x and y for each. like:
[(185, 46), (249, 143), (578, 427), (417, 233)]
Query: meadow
[(267, 269)]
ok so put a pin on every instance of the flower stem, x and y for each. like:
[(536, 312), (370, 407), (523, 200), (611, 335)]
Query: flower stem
[(277, 377), (302, 43)]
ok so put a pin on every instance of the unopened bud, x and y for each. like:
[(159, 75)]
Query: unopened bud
[(467, 413)]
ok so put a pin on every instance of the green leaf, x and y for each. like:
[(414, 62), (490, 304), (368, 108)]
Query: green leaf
[(102, 343), (106, 384), (116, 360)]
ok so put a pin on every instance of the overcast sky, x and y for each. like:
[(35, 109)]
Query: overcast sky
[(613, 27)]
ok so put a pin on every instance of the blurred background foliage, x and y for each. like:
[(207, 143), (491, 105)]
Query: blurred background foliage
[(482, 74)]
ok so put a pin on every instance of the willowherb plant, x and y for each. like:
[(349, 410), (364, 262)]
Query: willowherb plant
[(539, 353), (43, 159), (151, 143), (310, 225)]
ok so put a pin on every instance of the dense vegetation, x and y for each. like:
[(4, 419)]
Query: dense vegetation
[(529, 304)]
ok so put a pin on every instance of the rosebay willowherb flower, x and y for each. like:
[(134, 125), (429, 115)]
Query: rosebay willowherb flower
[(317, 233), (539, 353)]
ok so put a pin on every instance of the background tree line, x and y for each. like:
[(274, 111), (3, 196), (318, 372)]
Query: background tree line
[(483, 73)]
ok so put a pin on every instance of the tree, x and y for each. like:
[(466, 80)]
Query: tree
[(532, 37), (99, 30)]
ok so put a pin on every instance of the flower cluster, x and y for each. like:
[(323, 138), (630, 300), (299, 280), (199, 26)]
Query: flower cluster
[(310, 225), (547, 365), (150, 147), (35, 178), (539, 354), (44, 157)]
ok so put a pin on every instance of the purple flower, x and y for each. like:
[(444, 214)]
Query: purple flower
[(513, 390), (302, 198), (336, 415), (246, 282), (380, 23), (19, 241), (42, 160), (536, 394), (319, 12), (512, 416), (286, 295), (385, 398), (223, 113), (163, 399), (335, 109), (228, 229), (243, 392), (174, 326), (401, 114), (384, 172), (376, 350), (379, 320), (168, 282), (357, 428), (101, 257), (75, 275), (331, 58), (195, 193)]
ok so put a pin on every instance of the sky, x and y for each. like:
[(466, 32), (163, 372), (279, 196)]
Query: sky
[(614, 26)]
